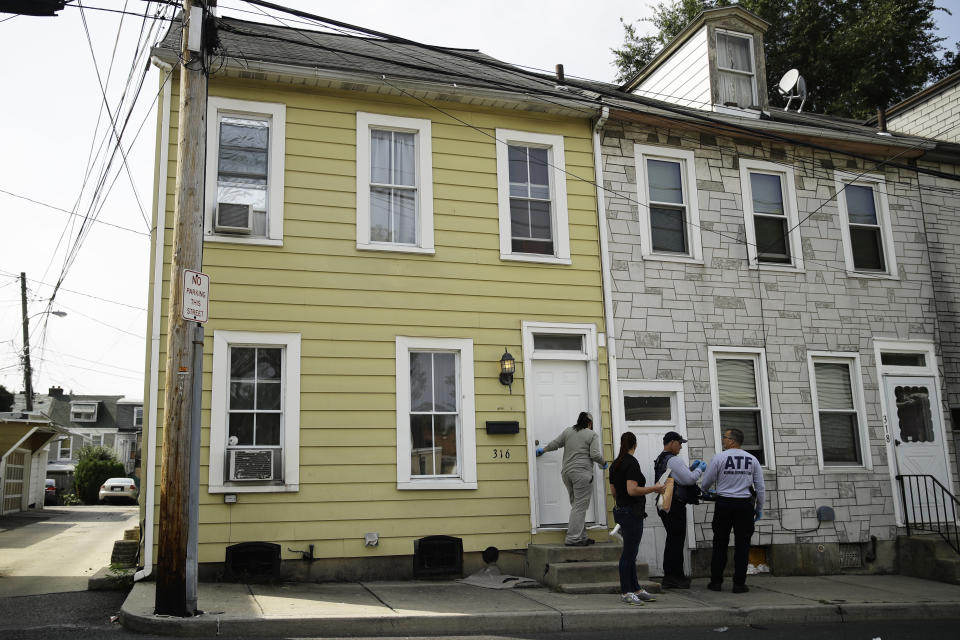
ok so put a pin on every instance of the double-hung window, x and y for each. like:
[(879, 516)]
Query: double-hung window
[(66, 448), (436, 432), (245, 151), (735, 67), (532, 196), (138, 416), (254, 416), (669, 212), (838, 409), (770, 214), (740, 398), (394, 184), (866, 225)]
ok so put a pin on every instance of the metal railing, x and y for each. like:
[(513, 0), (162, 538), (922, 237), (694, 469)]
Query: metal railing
[(929, 506)]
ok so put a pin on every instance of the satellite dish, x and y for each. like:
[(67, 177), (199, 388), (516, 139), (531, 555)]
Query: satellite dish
[(792, 85)]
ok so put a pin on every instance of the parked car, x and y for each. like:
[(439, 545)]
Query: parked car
[(50, 492), (116, 488)]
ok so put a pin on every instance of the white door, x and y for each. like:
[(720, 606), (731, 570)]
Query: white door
[(913, 414), (649, 446), (14, 485), (560, 393)]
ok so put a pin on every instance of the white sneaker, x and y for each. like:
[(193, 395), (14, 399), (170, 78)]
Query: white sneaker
[(644, 596), (631, 598)]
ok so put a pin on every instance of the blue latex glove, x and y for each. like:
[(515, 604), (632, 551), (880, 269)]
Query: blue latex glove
[(757, 514), (604, 465), (702, 465), (694, 465), (539, 451)]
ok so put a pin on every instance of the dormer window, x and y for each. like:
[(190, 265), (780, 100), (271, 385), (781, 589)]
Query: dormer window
[(738, 83), (83, 411)]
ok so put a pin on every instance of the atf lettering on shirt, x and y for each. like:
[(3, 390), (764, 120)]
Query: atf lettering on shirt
[(744, 464), (734, 472)]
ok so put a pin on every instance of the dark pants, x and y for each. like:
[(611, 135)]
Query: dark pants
[(631, 528), (675, 522), (736, 514)]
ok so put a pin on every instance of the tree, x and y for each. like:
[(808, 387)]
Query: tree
[(6, 399), (856, 55), (95, 466)]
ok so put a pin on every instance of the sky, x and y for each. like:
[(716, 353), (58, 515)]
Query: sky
[(51, 125)]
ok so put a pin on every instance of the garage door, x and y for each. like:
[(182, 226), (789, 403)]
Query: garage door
[(13, 482)]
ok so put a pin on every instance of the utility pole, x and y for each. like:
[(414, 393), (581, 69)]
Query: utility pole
[(171, 592), (27, 370)]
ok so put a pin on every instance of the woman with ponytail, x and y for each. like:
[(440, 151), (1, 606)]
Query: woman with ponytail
[(627, 485)]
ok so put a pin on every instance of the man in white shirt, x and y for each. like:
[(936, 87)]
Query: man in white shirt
[(738, 476)]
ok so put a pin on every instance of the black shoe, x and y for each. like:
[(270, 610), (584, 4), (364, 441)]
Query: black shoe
[(580, 543), (713, 586), (740, 588)]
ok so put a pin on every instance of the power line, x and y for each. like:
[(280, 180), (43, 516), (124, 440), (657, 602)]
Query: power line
[(79, 293), (71, 213)]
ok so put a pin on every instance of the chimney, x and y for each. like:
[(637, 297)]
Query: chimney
[(55, 392), (560, 74), (881, 119)]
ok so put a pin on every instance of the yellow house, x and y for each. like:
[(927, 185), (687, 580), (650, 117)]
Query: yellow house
[(382, 223)]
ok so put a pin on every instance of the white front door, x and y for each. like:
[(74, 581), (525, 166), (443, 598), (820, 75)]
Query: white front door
[(560, 393), (649, 446), (913, 414)]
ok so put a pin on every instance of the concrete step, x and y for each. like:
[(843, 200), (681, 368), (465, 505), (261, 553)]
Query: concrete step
[(928, 556), (543, 554), (605, 587), (587, 572)]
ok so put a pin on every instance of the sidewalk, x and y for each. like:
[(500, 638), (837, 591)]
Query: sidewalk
[(452, 608)]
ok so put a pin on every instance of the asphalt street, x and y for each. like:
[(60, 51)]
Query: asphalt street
[(59, 548)]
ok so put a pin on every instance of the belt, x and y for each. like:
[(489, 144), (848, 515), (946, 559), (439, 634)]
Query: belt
[(728, 499)]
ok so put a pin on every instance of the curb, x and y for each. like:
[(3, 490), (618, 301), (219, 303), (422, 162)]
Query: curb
[(107, 579)]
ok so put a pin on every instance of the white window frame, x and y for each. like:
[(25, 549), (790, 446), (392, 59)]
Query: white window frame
[(789, 194), (138, 416), (560, 215), (759, 357), (688, 172), (60, 456), (879, 185), (92, 414), (753, 65), (366, 122), (468, 427), (852, 360), (219, 396), (276, 114), (671, 388)]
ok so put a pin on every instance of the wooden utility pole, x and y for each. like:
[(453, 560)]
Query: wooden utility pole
[(171, 595), (27, 370)]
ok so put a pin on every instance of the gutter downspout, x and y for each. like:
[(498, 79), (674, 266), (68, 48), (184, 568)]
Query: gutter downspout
[(606, 279), (155, 323)]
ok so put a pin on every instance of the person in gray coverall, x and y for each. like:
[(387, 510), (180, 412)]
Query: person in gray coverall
[(581, 448)]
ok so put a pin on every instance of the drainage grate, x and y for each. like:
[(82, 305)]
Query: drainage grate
[(850, 556)]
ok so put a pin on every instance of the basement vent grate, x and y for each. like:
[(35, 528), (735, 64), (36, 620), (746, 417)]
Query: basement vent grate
[(850, 556)]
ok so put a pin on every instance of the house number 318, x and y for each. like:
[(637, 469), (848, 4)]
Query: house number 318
[(501, 454)]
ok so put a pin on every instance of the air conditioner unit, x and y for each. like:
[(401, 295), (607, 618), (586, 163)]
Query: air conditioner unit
[(233, 218), (251, 464)]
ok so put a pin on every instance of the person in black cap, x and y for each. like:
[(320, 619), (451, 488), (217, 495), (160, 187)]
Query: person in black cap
[(675, 520)]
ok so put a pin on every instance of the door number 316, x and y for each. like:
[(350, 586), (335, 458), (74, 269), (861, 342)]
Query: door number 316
[(501, 454)]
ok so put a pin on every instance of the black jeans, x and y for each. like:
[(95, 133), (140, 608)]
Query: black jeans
[(736, 514), (631, 528), (675, 522)]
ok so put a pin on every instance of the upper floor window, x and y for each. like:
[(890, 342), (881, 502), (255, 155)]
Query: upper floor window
[(770, 212), (83, 411), (736, 74), (244, 194), (866, 225), (394, 183), (669, 212), (532, 196), (65, 449), (138, 416)]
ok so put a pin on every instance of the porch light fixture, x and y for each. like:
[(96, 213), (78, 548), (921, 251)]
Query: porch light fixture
[(507, 367)]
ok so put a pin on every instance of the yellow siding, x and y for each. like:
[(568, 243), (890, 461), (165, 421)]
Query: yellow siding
[(350, 305)]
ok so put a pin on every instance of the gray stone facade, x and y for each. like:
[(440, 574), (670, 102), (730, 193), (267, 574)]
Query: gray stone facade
[(935, 117), (667, 314)]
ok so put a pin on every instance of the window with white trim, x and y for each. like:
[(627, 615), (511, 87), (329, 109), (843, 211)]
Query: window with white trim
[(737, 78), (770, 214), (652, 403), (138, 416), (436, 423), (866, 226), (741, 398), (245, 151), (255, 412), (66, 449), (667, 196), (532, 197), (394, 183), (839, 415), (83, 411)]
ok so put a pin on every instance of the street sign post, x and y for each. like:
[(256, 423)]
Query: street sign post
[(196, 296)]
